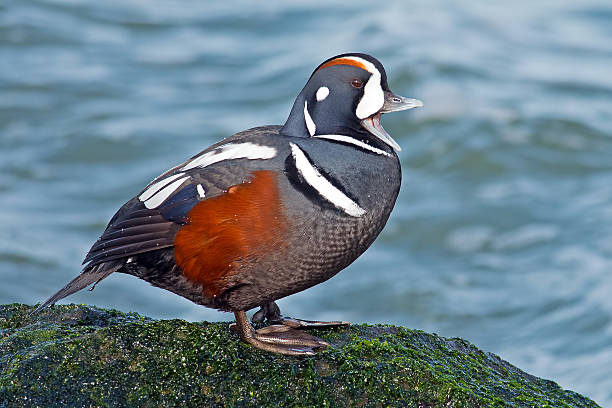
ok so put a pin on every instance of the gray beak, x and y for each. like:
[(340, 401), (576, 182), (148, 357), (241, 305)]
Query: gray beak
[(393, 103)]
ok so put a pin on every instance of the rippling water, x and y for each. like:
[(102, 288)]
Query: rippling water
[(503, 229)]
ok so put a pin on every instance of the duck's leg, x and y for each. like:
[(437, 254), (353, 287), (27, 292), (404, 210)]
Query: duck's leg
[(277, 338), (271, 313)]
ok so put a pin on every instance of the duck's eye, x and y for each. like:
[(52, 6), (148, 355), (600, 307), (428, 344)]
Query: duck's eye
[(357, 83)]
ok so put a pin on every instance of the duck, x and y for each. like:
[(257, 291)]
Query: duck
[(267, 212)]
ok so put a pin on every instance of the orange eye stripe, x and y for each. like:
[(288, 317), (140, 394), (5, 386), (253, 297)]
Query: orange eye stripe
[(343, 61)]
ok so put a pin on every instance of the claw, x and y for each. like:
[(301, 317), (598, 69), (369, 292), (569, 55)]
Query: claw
[(270, 312), (312, 324)]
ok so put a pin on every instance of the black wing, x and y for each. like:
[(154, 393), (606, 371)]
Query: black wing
[(151, 220), (135, 229)]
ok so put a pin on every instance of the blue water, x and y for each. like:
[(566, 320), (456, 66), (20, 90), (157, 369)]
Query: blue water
[(502, 233)]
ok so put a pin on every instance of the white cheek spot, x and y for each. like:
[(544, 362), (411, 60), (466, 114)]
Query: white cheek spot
[(310, 125), (326, 189), (322, 93)]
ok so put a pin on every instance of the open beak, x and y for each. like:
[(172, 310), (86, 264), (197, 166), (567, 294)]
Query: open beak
[(393, 103)]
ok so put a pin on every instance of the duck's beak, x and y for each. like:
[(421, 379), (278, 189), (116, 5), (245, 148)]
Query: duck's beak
[(393, 103)]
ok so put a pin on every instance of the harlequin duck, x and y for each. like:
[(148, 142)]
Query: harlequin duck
[(269, 211)]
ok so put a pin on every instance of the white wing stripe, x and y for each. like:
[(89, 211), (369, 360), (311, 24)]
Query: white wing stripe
[(356, 142), (327, 190), (231, 151), (201, 191), (155, 187), (164, 193), (159, 191)]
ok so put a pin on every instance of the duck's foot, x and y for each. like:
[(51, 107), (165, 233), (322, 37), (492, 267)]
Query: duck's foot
[(270, 312), (277, 338)]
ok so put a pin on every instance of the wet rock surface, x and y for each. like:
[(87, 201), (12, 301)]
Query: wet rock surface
[(85, 356)]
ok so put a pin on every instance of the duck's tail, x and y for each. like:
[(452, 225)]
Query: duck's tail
[(90, 275)]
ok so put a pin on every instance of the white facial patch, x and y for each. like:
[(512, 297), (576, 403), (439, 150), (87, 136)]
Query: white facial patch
[(373, 97), (231, 151), (326, 189), (322, 93), (310, 125)]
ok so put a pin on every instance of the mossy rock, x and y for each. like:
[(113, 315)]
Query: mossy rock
[(81, 356)]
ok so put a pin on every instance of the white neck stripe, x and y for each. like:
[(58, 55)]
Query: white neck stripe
[(326, 189), (356, 142), (310, 125)]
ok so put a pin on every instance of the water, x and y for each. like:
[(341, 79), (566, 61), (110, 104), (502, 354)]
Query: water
[(503, 229)]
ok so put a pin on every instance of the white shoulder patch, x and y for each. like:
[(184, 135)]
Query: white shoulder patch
[(245, 150), (326, 189)]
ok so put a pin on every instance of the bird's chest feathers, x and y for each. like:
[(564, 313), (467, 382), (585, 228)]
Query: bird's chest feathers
[(369, 180)]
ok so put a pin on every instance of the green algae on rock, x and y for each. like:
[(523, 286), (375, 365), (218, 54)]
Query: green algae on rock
[(86, 356)]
